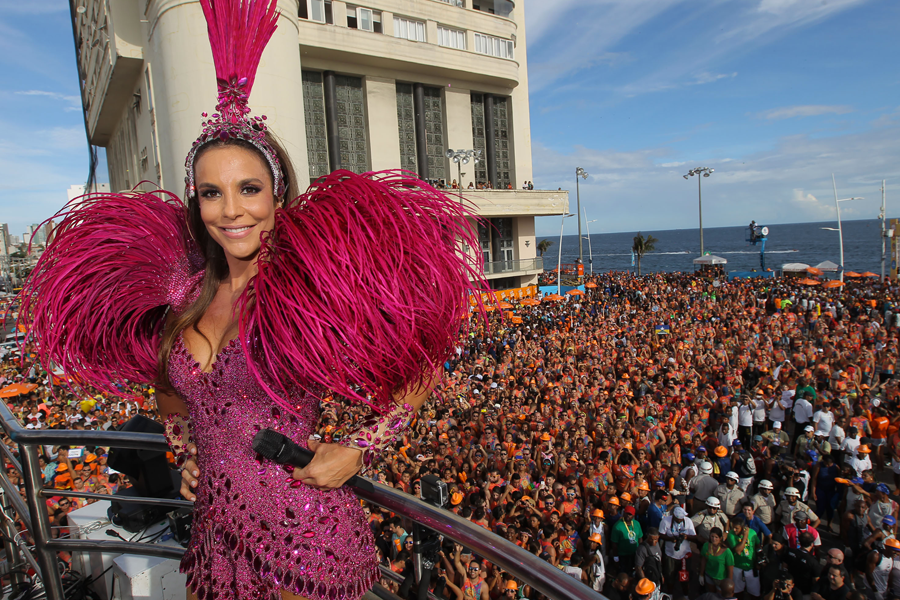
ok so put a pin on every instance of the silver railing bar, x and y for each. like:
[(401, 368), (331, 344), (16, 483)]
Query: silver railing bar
[(523, 565), (9, 456), (126, 499), (116, 547), (12, 495)]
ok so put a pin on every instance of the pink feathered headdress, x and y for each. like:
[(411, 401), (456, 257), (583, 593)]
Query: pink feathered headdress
[(238, 33)]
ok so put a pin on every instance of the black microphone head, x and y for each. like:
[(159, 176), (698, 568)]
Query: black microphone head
[(269, 443)]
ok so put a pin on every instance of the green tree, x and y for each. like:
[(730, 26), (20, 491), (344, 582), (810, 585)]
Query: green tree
[(543, 246), (641, 246)]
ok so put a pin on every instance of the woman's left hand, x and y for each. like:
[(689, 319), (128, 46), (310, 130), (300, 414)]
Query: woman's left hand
[(331, 466)]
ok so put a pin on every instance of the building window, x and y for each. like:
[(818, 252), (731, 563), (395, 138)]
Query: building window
[(406, 126), (363, 18), (493, 46), (351, 117), (451, 38), (478, 137), (317, 10), (413, 31), (434, 133), (459, 3), (314, 115), (501, 141)]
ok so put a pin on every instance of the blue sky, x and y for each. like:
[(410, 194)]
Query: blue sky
[(775, 95)]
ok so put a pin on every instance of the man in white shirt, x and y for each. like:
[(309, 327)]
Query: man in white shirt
[(672, 528), (745, 421), (777, 414), (861, 462), (823, 419), (850, 444), (803, 412)]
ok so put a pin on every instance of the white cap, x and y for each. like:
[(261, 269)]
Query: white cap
[(732, 475), (765, 484), (808, 428), (679, 512), (706, 468), (713, 502), (792, 491), (776, 425)]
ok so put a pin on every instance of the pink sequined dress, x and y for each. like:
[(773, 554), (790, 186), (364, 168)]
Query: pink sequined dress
[(253, 534)]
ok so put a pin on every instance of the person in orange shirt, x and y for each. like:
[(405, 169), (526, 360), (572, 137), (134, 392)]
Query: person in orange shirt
[(879, 424), (63, 478)]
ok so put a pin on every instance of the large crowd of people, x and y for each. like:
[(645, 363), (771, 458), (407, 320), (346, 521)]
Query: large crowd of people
[(664, 433)]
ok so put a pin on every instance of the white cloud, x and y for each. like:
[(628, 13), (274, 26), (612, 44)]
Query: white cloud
[(73, 102), (705, 77), (789, 182), (807, 110), (64, 138)]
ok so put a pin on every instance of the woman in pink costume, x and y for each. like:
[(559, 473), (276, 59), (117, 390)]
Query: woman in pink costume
[(244, 308)]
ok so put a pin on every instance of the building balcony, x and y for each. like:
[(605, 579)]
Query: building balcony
[(110, 56), (511, 203), (509, 268)]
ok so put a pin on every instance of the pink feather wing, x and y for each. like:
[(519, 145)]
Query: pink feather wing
[(96, 300), (362, 288)]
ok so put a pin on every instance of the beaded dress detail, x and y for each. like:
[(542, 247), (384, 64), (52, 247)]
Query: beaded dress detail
[(253, 534)]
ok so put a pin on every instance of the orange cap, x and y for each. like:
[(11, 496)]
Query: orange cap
[(644, 486), (721, 451), (644, 587), (892, 543), (456, 499), (546, 437), (597, 513), (614, 501), (90, 458), (62, 467), (595, 537), (626, 496), (512, 585), (864, 449)]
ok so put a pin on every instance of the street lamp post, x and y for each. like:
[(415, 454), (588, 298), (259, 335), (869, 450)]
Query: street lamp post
[(590, 251), (462, 157), (705, 172), (840, 229), (579, 172), (562, 224), (883, 218)]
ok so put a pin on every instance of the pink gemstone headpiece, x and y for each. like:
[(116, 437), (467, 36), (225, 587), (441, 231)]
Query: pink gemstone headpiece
[(238, 33)]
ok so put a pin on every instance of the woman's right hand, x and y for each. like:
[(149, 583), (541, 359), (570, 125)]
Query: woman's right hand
[(189, 474)]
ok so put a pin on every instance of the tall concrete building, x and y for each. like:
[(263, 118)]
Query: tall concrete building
[(371, 85)]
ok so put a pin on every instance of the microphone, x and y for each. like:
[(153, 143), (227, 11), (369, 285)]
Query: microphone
[(279, 448)]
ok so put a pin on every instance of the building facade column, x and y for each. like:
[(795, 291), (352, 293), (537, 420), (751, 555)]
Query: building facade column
[(329, 89), (184, 83), (421, 138), (490, 148)]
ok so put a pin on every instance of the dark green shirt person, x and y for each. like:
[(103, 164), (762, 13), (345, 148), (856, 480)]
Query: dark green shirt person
[(626, 536), (746, 557)]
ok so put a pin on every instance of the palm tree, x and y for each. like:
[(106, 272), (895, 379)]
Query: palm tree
[(641, 246), (543, 246)]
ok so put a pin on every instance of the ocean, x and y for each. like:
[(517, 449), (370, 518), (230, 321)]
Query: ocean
[(677, 248)]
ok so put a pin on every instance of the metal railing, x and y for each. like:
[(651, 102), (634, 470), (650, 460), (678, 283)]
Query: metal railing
[(512, 266), (521, 564)]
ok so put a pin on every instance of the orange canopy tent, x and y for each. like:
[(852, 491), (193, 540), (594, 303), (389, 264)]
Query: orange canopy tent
[(553, 297), (590, 284), (814, 271), (17, 389), (869, 274), (833, 284), (808, 281), (575, 293), (530, 302), (505, 305), (851, 274)]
